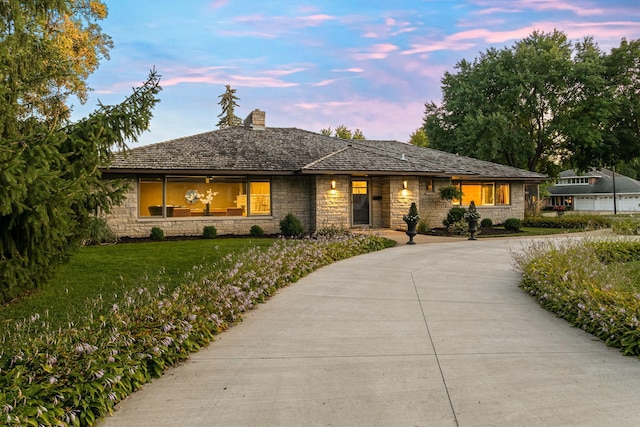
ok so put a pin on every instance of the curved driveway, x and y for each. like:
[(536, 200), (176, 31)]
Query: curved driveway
[(424, 335)]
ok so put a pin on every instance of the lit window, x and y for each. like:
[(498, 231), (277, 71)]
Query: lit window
[(189, 196), (429, 185), (484, 194), (150, 199), (260, 192)]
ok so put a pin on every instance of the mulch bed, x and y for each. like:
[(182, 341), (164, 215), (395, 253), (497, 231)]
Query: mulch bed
[(484, 231)]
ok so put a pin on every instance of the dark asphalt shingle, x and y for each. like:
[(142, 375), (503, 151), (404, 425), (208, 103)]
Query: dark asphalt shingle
[(291, 150)]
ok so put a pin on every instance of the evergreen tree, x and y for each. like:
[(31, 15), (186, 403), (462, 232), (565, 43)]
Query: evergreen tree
[(343, 132), (228, 103), (50, 168)]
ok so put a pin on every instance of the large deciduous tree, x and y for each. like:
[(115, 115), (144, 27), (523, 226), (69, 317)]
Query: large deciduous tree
[(611, 111), (49, 48), (540, 105), (50, 168)]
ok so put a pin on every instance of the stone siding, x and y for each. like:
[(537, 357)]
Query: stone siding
[(332, 205), (288, 195), (434, 209), (316, 205)]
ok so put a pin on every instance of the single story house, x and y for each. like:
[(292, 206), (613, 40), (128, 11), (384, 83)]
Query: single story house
[(237, 177), (593, 191)]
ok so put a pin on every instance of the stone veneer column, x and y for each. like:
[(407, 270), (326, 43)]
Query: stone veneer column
[(401, 199), (332, 206)]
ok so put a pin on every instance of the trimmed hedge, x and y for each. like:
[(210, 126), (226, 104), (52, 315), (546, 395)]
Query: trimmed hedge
[(584, 222), (626, 226)]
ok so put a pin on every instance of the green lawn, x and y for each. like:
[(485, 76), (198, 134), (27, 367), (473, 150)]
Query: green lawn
[(102, 271), (531, 231)]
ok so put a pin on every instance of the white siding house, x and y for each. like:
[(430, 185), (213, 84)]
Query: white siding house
[(594, 191)]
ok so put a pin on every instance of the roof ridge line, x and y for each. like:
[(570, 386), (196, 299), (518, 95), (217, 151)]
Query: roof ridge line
[(308, 165)]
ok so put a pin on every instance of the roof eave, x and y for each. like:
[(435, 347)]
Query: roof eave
[(134, 171)]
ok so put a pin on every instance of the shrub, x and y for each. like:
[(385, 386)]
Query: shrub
[(583, 222), (291, 226), (573, 281), (256, 231), (513, 224), (209, 232), (626, 226), (423, 227), (455, 214), (97, 231), (459, 228), (157, 233), (331, 231), (486, 222), (450, 192)]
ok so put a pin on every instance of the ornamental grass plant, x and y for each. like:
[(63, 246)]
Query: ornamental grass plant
[(75, 373)]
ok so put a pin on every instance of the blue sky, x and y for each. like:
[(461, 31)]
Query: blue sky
[(365, 64)]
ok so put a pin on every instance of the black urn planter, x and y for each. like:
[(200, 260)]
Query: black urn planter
[(411, 231), (473, 229)]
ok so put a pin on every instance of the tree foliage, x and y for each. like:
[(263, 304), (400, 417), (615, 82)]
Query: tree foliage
[(50, 168), (343, 132), (542, 104), (609, 119), (228, 103), (419, 138), (65, 39)]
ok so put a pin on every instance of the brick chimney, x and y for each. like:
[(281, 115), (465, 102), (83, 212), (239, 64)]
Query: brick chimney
[(255, 120)]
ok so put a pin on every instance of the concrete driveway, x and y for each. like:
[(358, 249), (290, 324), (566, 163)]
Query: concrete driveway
[(424, 335)]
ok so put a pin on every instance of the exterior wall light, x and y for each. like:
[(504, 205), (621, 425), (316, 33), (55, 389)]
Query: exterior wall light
[(404, 185), (333, 184)]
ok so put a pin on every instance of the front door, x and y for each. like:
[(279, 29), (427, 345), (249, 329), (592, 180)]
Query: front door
[(360, 202)]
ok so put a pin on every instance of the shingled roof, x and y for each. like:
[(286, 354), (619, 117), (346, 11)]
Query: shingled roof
[(601, 185), (294, 151)]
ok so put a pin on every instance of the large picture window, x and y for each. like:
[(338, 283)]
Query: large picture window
[(484, 193), (189, 196)]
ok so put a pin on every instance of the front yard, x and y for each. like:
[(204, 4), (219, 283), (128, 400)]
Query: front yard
[(118, 316)]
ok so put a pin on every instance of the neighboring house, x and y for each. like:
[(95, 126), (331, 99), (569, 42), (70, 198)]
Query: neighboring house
[(593, 191), (237, 177)]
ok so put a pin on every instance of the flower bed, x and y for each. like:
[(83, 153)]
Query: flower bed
[(572, 280), (76, 375)]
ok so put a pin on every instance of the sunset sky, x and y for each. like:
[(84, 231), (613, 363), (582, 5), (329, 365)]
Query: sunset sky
[(365, 64)]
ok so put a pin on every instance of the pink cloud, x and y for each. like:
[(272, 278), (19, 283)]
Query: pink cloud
[(376, 51), (217, 4), (324, 83), (372, 116), (497, 6), (284, 72), (349, 70), (223, 76), (428, 46), (390, 28), (283, 23)]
